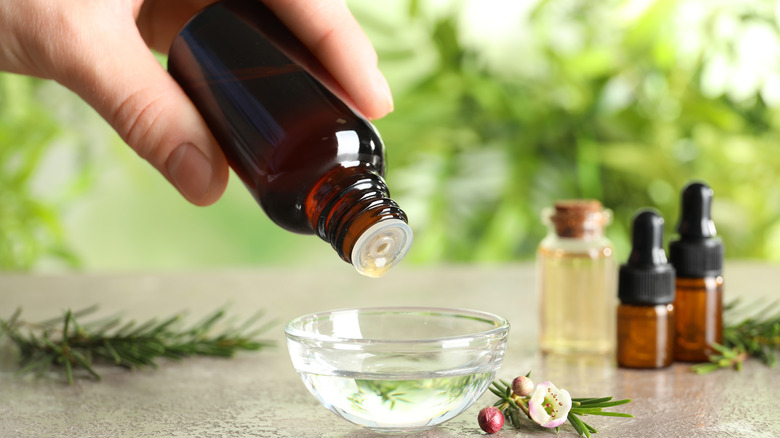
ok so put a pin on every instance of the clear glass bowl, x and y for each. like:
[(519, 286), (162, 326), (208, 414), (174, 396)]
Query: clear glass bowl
[(397, 369)]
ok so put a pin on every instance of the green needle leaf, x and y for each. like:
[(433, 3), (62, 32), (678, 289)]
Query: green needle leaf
[(512, 406), (578, 425), (130, 346), (607, 404), (591, 400), (756, 336), (598, 411), (69, 372)]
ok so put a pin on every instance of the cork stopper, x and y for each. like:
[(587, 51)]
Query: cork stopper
[(579, 218)]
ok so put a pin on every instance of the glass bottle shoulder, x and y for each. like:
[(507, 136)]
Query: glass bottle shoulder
[(553, 243)]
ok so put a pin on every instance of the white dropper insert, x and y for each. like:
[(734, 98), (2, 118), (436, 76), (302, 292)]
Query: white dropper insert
[(381, 247)]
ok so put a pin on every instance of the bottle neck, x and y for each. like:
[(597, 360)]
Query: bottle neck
[(578, 233), (571, 220), (351, 209)]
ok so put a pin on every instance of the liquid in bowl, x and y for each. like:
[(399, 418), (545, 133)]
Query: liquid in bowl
[(397, 369)]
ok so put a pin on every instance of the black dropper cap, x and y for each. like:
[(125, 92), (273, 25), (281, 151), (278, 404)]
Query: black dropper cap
[(697, 253), (646, 279)]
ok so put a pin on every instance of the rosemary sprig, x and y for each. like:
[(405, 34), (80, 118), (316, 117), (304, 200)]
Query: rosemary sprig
[(756, 336), (513, 405), (70, 345)]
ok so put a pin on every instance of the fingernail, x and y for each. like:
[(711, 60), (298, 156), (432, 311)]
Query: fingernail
[(190, 171), (384, 87)]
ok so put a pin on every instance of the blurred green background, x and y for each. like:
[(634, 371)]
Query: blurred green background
[(502, 107)]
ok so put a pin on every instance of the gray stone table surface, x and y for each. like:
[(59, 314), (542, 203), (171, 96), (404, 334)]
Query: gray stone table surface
[(259, 394)]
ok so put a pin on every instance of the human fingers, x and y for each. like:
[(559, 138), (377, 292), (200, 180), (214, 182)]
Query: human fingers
[(159, 21), (329, 30), (326, 27), (110, 66)]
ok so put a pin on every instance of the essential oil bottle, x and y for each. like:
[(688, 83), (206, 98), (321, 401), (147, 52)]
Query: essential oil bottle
[(697, 256), (313, 164), (645, 316), (576, 274)]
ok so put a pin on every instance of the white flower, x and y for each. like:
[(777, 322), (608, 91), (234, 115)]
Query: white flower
[(549, 406)]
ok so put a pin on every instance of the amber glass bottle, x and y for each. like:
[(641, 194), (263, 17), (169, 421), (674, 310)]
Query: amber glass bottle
[(312, 163), (645, 316), (697, 256), (576, 280)]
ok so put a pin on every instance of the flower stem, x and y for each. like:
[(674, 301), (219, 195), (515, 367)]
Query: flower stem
[(522, 404)]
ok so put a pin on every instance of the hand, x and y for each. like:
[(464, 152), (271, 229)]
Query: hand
[(100, 50)]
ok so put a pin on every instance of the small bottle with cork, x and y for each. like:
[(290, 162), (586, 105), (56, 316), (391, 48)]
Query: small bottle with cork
[(697, 256), (576, 275), (645, 316)]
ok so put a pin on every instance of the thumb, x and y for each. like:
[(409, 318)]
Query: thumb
[(124, 82)]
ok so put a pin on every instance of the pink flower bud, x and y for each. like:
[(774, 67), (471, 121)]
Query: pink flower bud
[(522, 386), (491, 420)]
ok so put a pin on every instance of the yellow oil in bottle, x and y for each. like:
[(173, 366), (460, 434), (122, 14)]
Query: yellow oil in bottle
[(577, 301), (576, 278)]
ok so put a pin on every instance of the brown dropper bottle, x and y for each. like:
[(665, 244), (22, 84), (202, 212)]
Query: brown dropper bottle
[(645, 316), (313, 164), (697, 256)]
